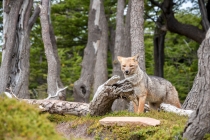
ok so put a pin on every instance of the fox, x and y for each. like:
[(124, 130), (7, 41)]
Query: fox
[(151, 89)]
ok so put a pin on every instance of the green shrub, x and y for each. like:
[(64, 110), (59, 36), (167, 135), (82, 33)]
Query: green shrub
[(21, 121)]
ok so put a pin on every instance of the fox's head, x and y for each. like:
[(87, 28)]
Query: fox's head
[(128, 64)]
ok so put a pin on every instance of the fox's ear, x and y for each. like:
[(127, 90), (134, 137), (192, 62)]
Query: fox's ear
[(119, 58), (136, 57)]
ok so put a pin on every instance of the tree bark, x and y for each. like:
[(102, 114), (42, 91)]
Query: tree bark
[(82, 87), (119, 48), (61, 107), (199, 124), (119, 38), (16, 48), (62, 95), (127, 48), (52, 58), (137, 31), (100, 74)]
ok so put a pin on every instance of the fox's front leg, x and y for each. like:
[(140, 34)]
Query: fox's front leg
[(142, 100)]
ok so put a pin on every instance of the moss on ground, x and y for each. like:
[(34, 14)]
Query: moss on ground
[(21, 121), (171, 126)]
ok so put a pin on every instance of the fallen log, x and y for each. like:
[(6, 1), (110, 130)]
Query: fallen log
[(61, 107), (101, 103)]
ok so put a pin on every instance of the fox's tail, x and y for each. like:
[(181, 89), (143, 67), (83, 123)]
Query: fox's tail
[(172, 97)]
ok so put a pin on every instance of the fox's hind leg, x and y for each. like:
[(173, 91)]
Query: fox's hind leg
[(155, 105)]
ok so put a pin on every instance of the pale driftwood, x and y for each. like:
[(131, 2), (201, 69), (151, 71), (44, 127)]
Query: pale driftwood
[(101, 103), (171, 108)]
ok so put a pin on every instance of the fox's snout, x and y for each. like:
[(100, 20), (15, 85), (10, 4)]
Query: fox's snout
[(127, 72)]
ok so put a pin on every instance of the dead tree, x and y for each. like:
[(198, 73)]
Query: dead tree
[(158, 41), (198, 124), (100, 72), (120, 48), (18, 20), (137, 31), (82, 87), (53, 77)]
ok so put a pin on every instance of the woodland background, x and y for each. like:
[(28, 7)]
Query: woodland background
[(70, 18), (79, 35)]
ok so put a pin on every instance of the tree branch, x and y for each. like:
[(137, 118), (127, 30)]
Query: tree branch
[(34, 16), (156, 3), (173, 25), (56, 94), (205, 21)]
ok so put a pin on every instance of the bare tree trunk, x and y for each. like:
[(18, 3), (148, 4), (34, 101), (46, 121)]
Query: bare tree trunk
[(82, 87), (137, 31), (159, 38), (15, 51), (127, 48), (199, 124), (121, 48), (62, 96), (51, 53), (100, 74), (193, 98), (111, 41), (128, 42), (119, 38)]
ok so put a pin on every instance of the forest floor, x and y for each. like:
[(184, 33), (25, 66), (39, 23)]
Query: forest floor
[(70, 133), (89, 128)]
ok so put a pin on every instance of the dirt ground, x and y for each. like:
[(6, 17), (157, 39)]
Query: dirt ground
[(80, 132)]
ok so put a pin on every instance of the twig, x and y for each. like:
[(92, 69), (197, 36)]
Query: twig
[(56, 93)]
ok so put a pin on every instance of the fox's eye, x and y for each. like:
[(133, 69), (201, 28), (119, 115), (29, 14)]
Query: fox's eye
[(124, 65), (131, 65)]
